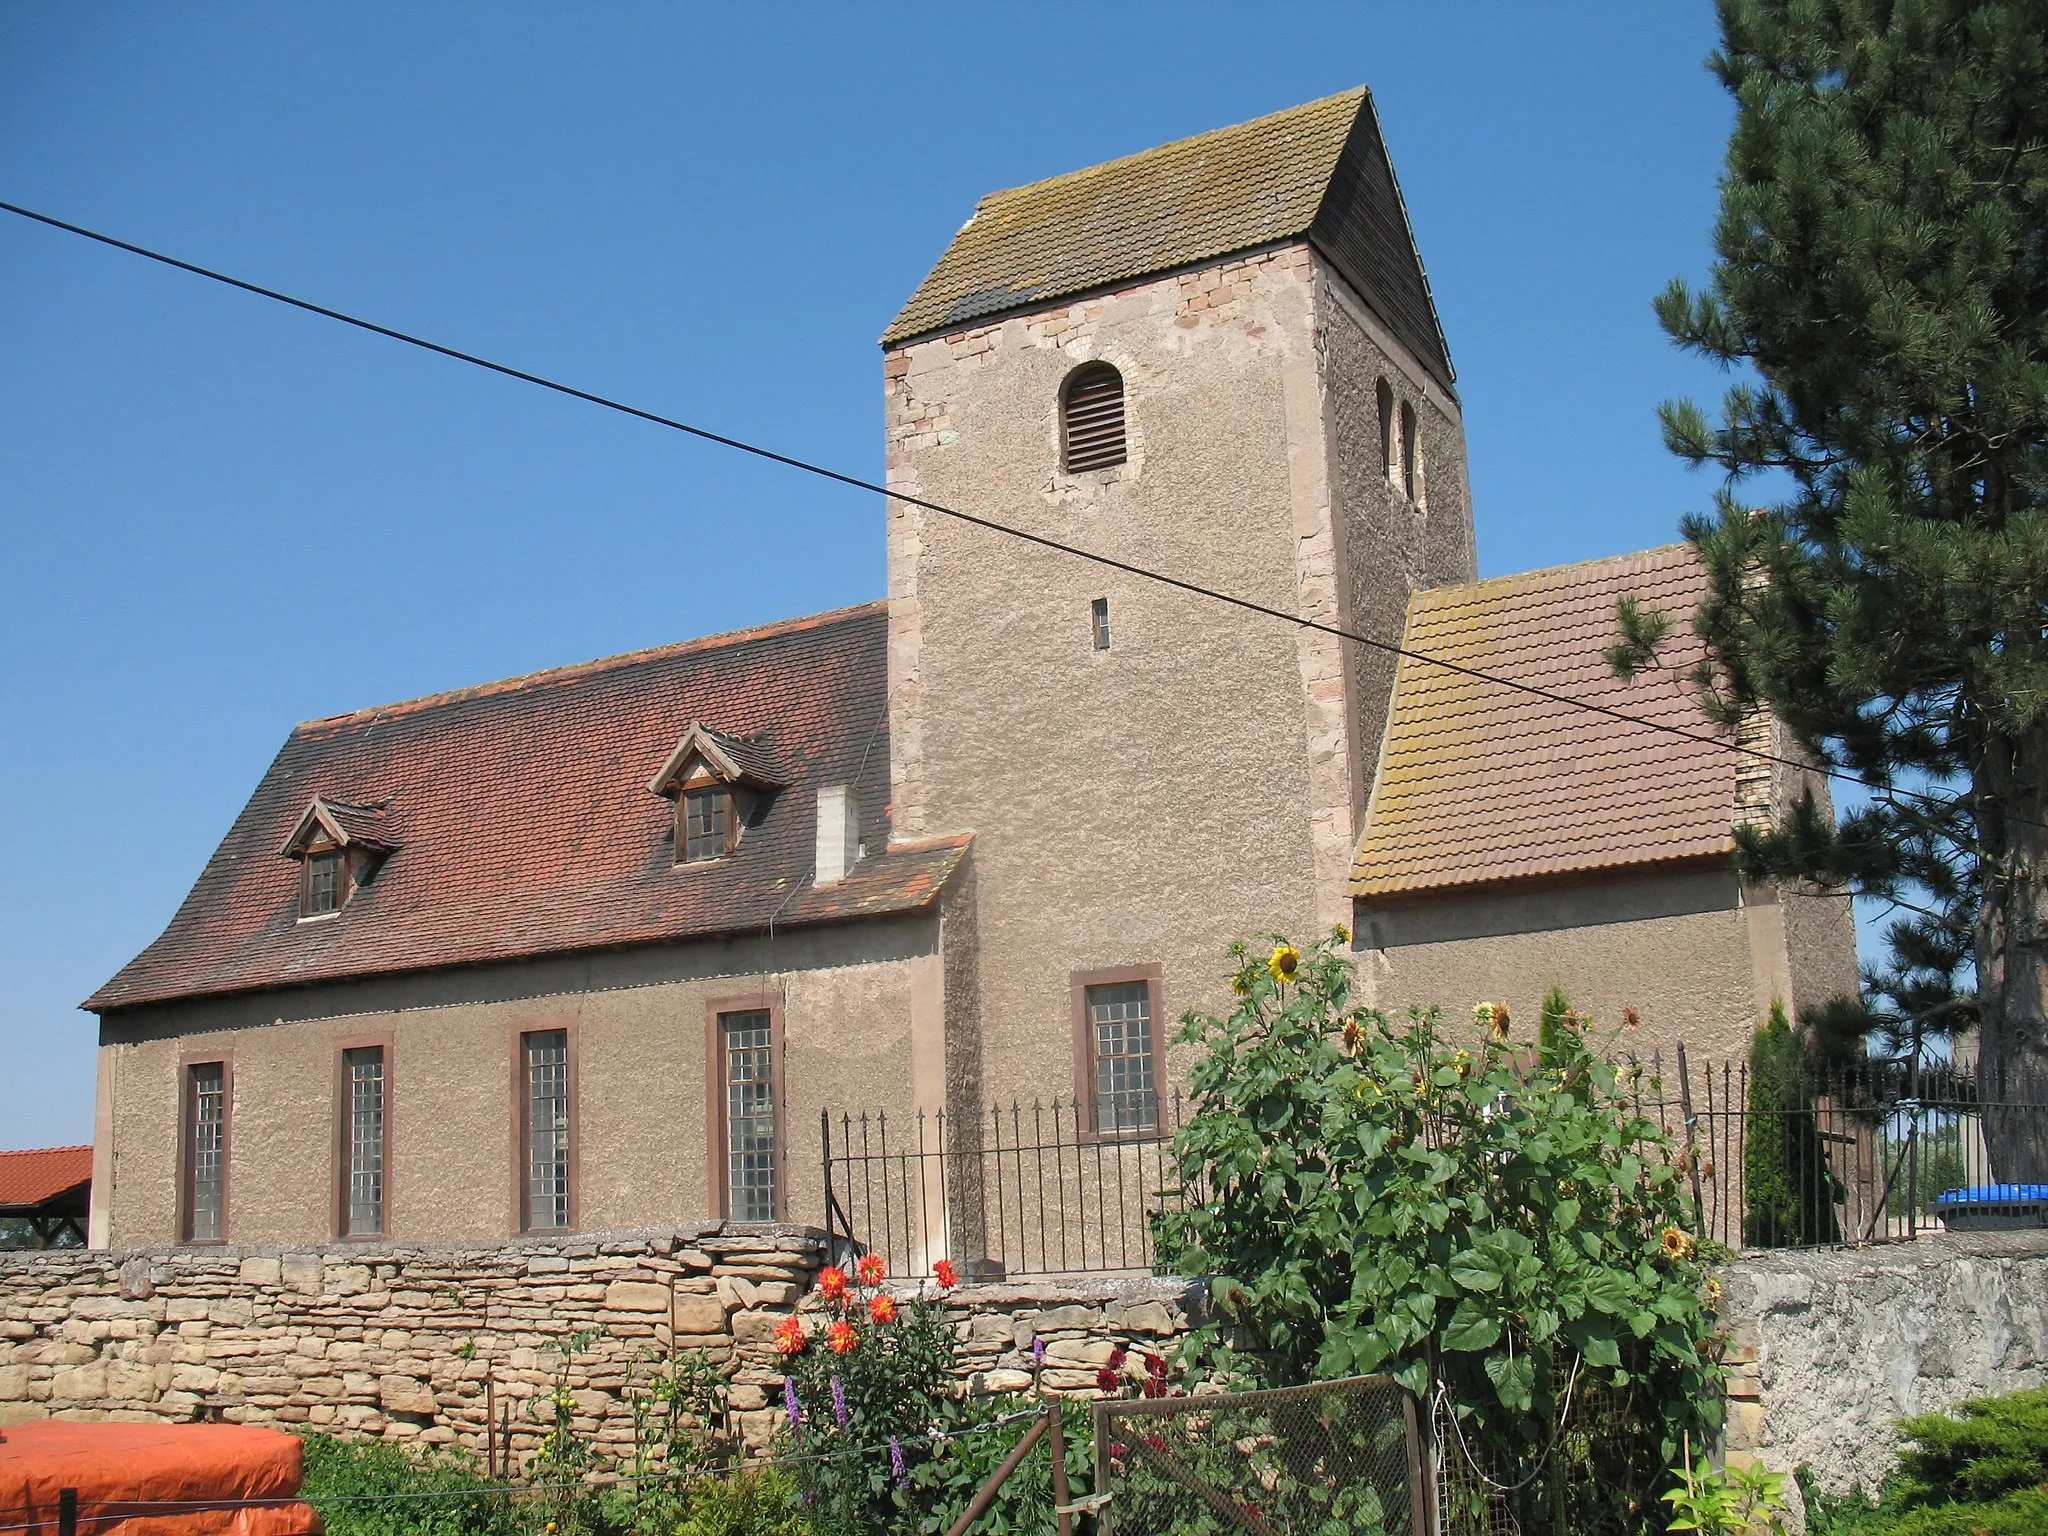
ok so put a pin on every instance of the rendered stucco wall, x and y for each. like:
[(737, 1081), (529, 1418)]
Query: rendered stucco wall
[(847, 996), (1675, 948), (1197, 782)]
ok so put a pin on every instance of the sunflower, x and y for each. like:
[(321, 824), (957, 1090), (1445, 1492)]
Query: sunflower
[(1676, 1244), (1713, 1289), (1354, 1035), (1343, 934), (1284, 962)]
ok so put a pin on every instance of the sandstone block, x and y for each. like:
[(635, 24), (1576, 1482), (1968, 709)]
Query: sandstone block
[(405, 1394), (699, 1314), (737, 1291), (137, 1282), (756, 1327), (1141, 1317), (184, 1309), (1745, 1426), (304, 1273), (80, 1383), (746, 1399), (1079, 1354), (1004, 1381), (231, 1312), (13, 1383), (1059, 1319), (261, 1272), (12, 1414), (129, 1381), (194, 1378), (635, 1296)]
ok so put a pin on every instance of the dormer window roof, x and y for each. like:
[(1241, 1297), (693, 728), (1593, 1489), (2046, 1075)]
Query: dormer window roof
[(704, 752), (717, 781), (339, 847)]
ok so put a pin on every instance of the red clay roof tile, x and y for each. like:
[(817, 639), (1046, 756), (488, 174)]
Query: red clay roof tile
[(525, 827), (33, 1177), (1480, 784)]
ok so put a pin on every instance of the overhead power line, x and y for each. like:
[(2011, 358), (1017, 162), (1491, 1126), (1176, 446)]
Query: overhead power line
[(1248, 605)]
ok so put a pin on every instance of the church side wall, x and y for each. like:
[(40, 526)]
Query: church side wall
[(1148, 804), (1674, 947), (641, 1045)]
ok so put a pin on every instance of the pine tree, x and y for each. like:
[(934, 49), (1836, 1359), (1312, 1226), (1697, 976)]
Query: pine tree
[(1882, 270)]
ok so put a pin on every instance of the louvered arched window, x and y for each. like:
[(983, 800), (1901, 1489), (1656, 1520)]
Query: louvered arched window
[(1092, 418)]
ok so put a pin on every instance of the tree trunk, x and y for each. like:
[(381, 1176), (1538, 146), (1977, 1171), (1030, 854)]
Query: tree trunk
[(2012, 956)]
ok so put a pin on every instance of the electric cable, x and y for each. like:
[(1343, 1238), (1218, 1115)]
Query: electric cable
[(740, 445)]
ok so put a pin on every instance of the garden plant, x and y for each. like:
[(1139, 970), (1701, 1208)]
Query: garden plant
[(1493, 1223)]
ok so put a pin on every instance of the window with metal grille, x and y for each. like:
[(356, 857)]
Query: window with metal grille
[(324, 883), (707, 823), (1092, 418), (1098, 622), (748, 1045), (1120, 1029), (206, 1137), (362, 1195), (546, 1054)]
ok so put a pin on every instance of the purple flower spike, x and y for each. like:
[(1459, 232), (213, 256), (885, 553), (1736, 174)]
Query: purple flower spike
[(896, 1464), (839, 1402), (790, 1405), (1038, 1351)]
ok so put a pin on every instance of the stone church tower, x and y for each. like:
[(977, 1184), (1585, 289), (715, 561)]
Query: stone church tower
[(1218, 359)]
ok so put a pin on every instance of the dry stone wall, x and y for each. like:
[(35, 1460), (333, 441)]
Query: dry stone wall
[(425, 1342)]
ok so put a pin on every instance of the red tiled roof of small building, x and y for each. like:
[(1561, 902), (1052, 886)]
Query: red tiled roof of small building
[(525, 827), (1481, 784), (39, 1175)]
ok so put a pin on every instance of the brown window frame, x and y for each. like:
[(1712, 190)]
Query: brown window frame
[(344, 884), (565, 1025), (734, 808), (188, 1105), (344, 1141), (718, 1149), (1096, 368), (1084, 1047)]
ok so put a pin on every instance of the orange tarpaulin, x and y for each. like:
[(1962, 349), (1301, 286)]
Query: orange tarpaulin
[(153, 1480)]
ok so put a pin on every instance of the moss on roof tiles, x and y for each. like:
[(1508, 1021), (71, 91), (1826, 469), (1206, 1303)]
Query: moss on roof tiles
[(1317, 171)]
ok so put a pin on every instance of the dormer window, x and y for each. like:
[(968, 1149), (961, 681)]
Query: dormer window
[(721, 784), (339, 847)]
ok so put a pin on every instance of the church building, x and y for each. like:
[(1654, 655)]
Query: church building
[(593, 948)]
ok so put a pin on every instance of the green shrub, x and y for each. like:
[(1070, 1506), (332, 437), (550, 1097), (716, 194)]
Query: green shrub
[(351, 1469), (1982, 1471), (1788, 1192), (1502, 1223), (764, 1501)]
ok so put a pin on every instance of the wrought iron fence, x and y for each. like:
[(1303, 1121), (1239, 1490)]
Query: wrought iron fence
[(1868, 1152), (1872, 1152), (1023, 1190)]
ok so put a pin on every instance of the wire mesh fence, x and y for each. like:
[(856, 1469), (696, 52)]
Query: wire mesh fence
[(1335, 1456), (1027, 1189), (1868, 1152)]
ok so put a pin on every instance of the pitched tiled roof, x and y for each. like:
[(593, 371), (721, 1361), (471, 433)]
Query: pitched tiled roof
[(1479, 784), (33, 1178), (525, 826), (1319, 170)]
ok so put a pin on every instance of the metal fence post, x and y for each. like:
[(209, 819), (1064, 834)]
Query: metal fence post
[(67, 1512), (1692, 1156), (825, 1136)]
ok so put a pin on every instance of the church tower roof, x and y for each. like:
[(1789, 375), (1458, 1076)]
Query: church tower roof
[(1318, 171)]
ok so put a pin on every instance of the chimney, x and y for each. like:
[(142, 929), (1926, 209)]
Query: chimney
[(838, 832)]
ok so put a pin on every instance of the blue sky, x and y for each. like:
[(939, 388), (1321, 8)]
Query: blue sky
[(222, 517)]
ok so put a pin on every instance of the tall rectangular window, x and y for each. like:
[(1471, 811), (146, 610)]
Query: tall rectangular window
[(1120, 1037), (1098, 622), (362, 1196), (747, 1042), (206, 1143), (545, 1059)]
